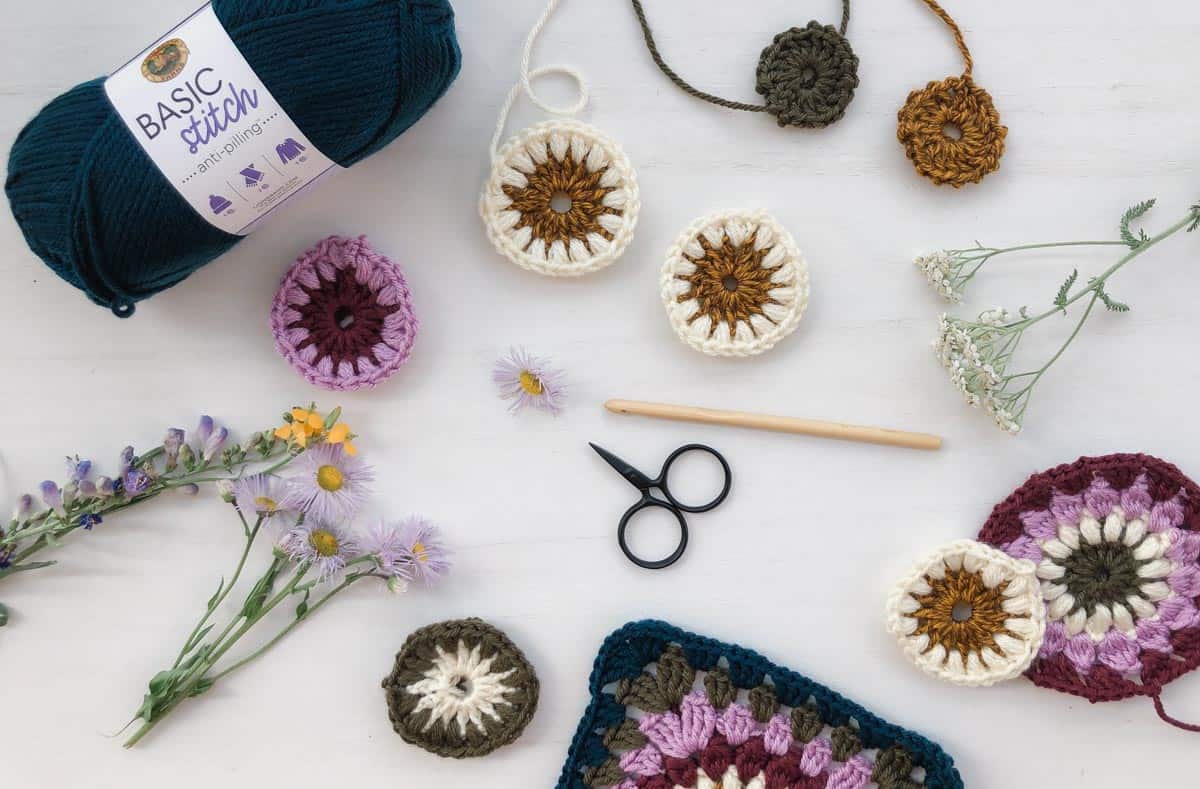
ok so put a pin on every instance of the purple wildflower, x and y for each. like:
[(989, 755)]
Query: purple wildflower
[(420, 544), (331, 485), (105, 487), (135, 482), (259, 495), (78, 470), (53, 497), (23, 508), (326, 548), (171, 446), (127, 460), (210, 440), (89, 519), (529, 381), (87, 489)]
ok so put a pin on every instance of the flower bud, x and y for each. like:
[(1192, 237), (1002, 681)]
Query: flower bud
[(171, 446), (24, 508), (397, 585), (225, 487), (191, 489)]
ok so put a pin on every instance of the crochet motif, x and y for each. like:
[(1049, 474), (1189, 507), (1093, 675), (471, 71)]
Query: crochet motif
[(673, 710), (1116, 541), (461, 689), (807, 75), (950, 129), (573, 163), (343, 316), (734, 284), (969, 614)]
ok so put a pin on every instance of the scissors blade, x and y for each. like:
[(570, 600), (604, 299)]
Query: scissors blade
[(631, 474)]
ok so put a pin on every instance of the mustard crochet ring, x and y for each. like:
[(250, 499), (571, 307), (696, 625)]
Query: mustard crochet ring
[(734, 284), (562, 198), (950, 129)]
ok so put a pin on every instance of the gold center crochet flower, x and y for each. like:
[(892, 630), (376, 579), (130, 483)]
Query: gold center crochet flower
[(563, 180), (961, 614), (730, 282)]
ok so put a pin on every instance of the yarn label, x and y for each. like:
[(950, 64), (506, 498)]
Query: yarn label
[(211, 127)]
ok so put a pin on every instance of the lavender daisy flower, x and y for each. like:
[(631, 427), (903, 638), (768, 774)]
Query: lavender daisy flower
[(331, 485), (384, 542), (259, 495), (529, 380), (420, 545), (53, 497), (172, 443), (326, 548)]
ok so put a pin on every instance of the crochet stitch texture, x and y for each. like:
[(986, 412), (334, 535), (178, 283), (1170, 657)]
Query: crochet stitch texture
[(734, 284), (674, 710), (1116, 541), (562, 199), (807, 75), (343, 316), (461, 689), (950, 129)]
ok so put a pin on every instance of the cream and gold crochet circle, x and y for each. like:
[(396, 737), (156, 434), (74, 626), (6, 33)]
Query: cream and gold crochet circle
[(969, 614), (734, 284), (562, 199)]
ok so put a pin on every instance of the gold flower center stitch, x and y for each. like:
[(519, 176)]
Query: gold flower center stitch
[(961, 614), (730, 283), (323, 542), (329, 478), (566, 180)]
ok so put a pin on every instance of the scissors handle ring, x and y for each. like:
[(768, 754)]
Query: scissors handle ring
[(646, 503), (662, 481)]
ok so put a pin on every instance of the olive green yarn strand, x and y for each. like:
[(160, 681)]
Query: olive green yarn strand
[(679, 81), (958, 35)]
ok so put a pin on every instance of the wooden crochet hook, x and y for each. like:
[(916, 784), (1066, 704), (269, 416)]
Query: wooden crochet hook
[(779, 424)]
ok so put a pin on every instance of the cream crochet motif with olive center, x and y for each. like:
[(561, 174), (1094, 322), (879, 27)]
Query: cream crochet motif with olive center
[(562, 199), (734, 284)]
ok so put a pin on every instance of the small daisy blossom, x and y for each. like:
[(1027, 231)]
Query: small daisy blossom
[(326, 548), (259, 494), (420, 545), (331, 485), (530, 381)]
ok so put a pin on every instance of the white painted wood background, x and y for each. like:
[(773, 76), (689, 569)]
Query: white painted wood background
[(1101, 106)]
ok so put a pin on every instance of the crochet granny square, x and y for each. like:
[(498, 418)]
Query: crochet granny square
[(671, 709)]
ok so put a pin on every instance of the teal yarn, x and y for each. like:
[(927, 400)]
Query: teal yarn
[(353, 74)]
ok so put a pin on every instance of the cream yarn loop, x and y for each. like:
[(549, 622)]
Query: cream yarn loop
[(562, 198)]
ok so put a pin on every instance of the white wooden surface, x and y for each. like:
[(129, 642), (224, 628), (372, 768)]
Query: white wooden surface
[(1102, 112)]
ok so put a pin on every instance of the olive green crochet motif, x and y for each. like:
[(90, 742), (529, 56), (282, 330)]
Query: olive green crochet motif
[(465, 665)]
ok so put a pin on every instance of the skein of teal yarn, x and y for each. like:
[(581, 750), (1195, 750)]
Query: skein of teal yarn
[(353, 74)]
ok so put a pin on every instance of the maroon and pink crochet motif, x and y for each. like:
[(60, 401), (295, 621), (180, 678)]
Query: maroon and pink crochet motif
[(1116, 541)]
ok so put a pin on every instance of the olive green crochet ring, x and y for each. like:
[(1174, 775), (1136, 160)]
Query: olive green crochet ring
[(460, 689)]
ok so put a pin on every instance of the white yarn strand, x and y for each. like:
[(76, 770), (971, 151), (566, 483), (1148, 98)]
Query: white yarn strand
[(595, 157)]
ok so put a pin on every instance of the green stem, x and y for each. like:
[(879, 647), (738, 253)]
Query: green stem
[(1095, 285), (345, 584), (202, 667), (223, 592)]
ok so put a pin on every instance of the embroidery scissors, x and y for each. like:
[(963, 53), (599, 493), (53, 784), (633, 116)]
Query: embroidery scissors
[(673, 505)]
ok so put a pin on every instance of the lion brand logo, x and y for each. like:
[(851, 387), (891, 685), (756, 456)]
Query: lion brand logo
[(166, 62)]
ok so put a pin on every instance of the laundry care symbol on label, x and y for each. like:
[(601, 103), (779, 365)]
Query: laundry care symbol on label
[(253, 176), (219, 204), (289, 149)]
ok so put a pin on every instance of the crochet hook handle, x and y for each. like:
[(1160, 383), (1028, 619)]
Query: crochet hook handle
[(778, 424)]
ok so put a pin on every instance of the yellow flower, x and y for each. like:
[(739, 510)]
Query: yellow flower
[(308, 425), (340, 434)]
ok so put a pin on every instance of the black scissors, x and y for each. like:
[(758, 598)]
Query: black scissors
[(671, 504)]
